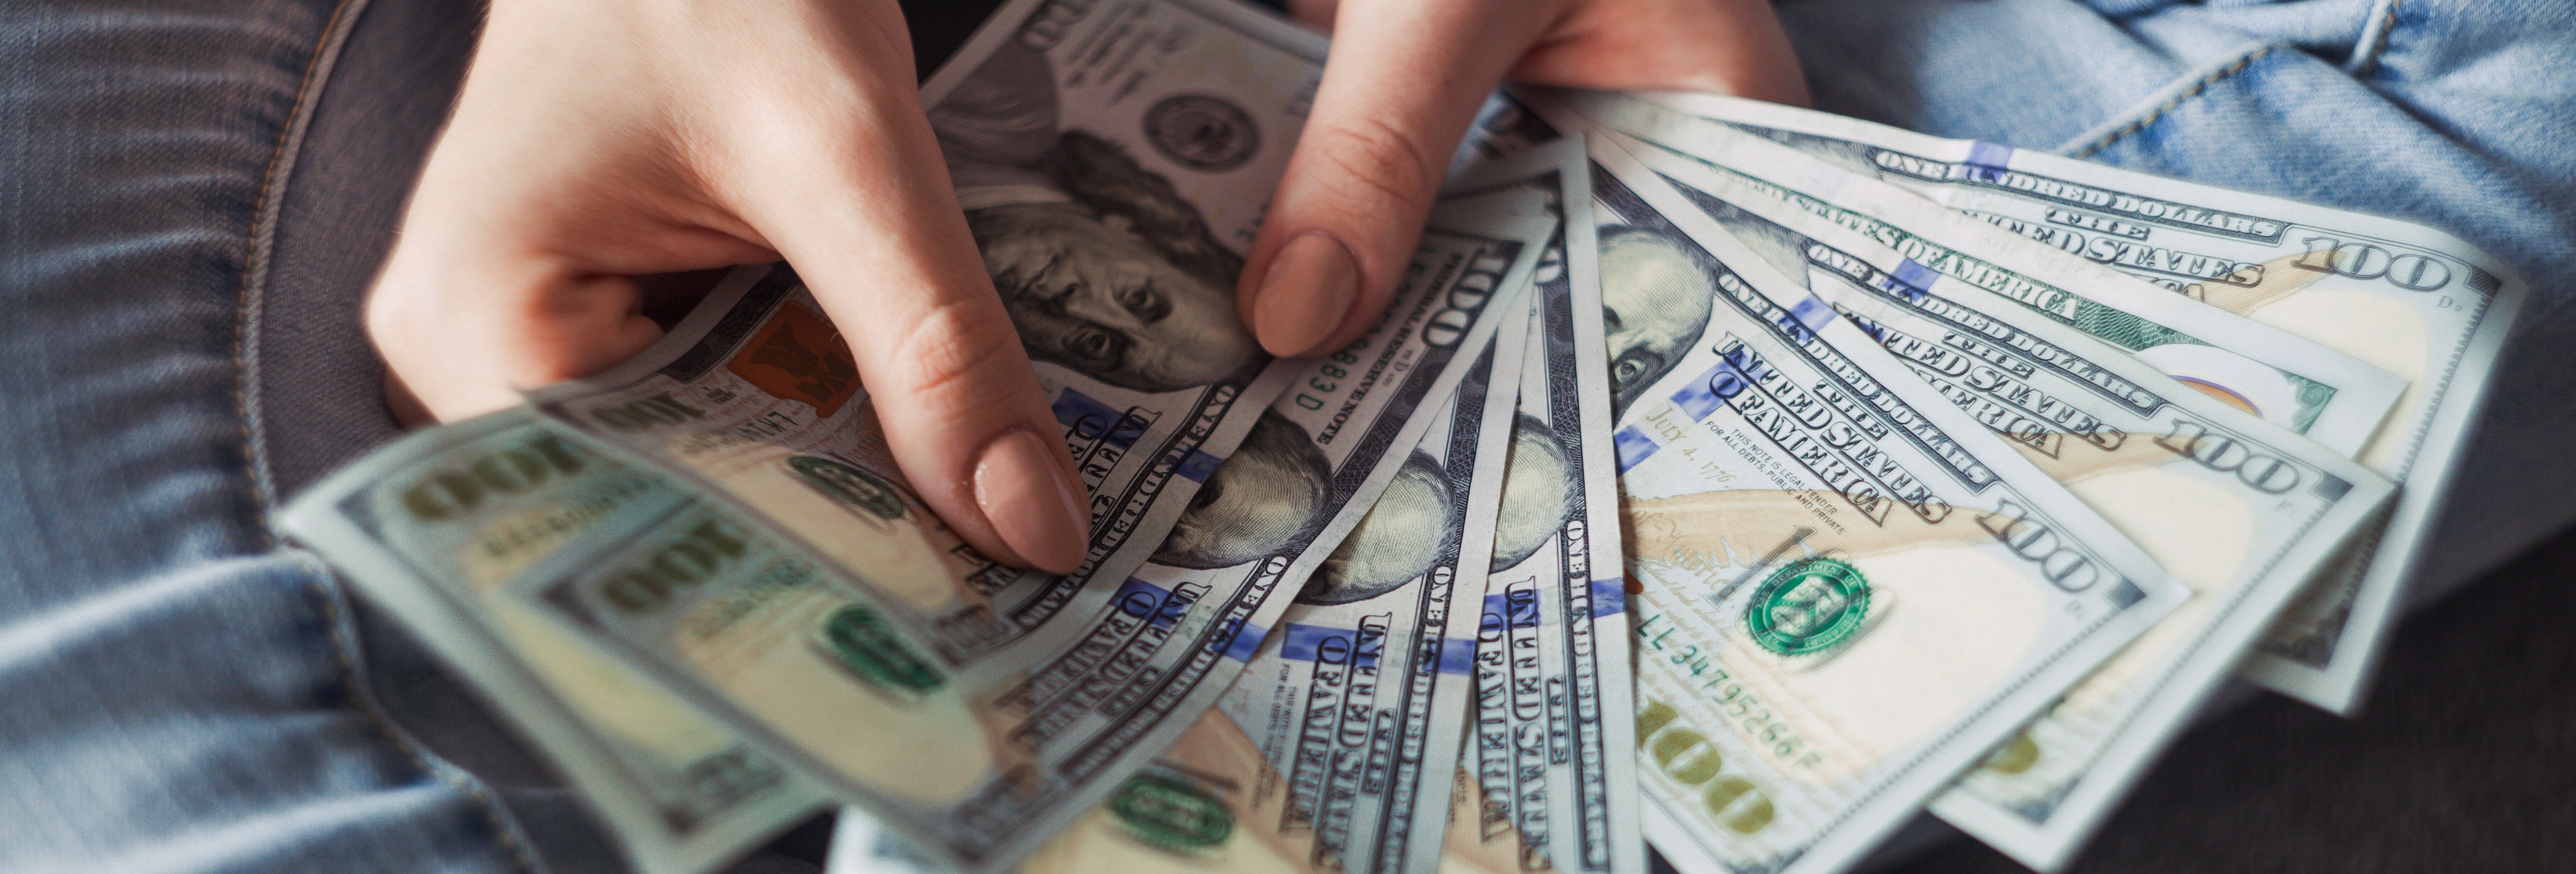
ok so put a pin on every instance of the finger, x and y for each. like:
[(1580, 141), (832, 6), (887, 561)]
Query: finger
[(460, 343), (1728, 46), (467, 321), (1390, 110), (889, 256), (510, 269)]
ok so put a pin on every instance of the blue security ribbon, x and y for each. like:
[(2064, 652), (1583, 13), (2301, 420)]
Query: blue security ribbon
[(1501, 605), (1457, 655), (1609, 596), (1988, 161), (1090, 419), (1197, 467), (1810, 315), (1914, 280), (1302, 643), (1239, 646), (1633, 445), (1145, 601)]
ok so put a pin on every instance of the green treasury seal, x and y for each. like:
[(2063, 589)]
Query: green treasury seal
[(1171, 812), (1808, 606)]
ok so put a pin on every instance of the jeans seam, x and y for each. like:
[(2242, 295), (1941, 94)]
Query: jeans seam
[(344, 651), (259, 247), (2097, 143), (2374, 39)]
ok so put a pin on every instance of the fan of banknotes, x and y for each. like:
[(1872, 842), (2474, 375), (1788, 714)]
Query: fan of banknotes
[(1726, 479)]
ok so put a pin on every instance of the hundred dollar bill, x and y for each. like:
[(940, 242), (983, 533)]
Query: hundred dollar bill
[(1554, 722), (2410, 300), (1360, 699), (861, 845), (1334, 750), (2241, 511), (1850, 589), (1111, 160), (1207, 805), (2331, 397), (432, 525), (817, 654), (756, 397)]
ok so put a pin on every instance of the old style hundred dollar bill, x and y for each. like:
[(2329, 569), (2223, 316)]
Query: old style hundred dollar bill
[(1551, 748), (2241, 511), (2410, 300), (2330, 397), (1851, 590), (432, 526)]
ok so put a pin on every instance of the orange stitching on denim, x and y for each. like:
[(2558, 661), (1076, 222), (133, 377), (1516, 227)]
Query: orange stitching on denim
[(254, 278), (2369, 60), (2158, 113)]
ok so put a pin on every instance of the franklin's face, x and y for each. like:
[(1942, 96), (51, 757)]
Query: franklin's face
[(1398, 540), (1098, 299), (1267, 494), (1654, 303), (1538, 493)]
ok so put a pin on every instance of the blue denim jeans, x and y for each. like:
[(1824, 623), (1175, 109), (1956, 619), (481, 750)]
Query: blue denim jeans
[(2456, 114), (194, 194)]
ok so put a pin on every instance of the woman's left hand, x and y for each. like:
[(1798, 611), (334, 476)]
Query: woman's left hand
[(1405, 79)]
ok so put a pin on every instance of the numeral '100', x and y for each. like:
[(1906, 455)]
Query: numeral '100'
[(2365, 261), (1688, 758)]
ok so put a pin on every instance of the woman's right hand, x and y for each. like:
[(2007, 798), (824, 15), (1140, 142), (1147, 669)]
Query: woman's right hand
[(602, 139)]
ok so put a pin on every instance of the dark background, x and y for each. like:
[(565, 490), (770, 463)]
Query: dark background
[(2463, 758)]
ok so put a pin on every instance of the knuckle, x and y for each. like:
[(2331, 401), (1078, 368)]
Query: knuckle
[(955, 355), (1379, 163)]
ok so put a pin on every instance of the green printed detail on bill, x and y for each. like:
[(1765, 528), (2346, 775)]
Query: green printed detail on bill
[(1172, 813), (850, 485), (1813, 605), (861, 640)]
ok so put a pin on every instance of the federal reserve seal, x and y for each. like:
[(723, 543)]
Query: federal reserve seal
[(1171, 812), (1808, 606), (1202, 133), (850, 485), (866, 645)]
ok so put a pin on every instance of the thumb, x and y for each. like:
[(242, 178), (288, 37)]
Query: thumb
[(874, 230), (1388, 114)]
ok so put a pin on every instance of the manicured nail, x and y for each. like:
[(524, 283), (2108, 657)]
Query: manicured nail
[(1305, 295), (1033, 503)]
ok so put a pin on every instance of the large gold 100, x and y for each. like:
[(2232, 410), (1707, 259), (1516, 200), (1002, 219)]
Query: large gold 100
[(1688, 758)]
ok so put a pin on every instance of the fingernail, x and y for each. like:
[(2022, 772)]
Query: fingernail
[(1305, 295), (1033, 503)]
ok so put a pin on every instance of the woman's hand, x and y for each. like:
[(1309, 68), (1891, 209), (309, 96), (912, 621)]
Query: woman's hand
[(601, 139), (1405, 79)]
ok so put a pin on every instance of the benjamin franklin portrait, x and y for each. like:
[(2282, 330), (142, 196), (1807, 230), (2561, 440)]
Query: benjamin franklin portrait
[(1102, 265), (1655, 300), (1399, 540), (1784, 249), (1267, 496), (1539, 492)]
